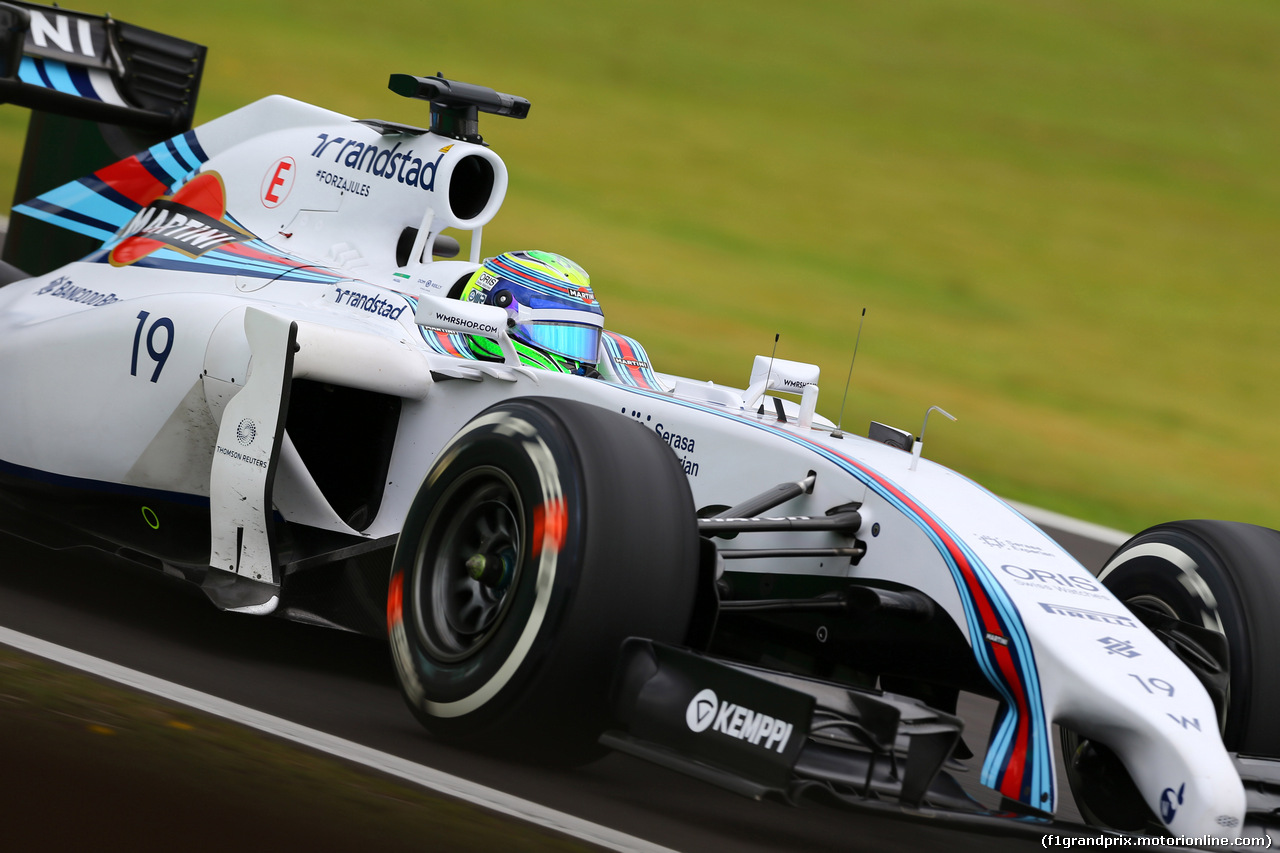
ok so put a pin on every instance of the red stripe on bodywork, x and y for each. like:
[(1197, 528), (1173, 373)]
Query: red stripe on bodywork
[(132, 180), (443, 338), (628, 352), (247, 251), (1011, 782)]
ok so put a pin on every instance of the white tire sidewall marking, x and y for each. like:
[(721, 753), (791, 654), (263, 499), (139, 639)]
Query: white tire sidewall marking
[(548, 475), (1188, 577)]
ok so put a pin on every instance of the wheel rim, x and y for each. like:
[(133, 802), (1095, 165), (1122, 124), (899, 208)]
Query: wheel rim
[(469, 559)]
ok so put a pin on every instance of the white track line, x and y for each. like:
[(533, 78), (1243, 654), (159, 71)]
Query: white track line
[(382, 762)]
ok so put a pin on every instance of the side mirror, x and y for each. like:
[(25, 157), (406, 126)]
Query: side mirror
[(453, 315)]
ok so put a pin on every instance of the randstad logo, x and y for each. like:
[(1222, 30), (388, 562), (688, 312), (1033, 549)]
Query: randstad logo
[(390, 163), (702, 711)]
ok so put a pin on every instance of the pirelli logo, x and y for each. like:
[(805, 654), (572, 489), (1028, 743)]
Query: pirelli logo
[(1089, 615)]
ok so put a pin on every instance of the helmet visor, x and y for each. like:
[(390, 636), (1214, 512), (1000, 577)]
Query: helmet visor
[(578, 341)]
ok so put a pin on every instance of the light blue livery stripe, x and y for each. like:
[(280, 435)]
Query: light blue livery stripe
[(29, 73), (80, 198), (185, 151), (58, 76), (164, 159), (63, 222)]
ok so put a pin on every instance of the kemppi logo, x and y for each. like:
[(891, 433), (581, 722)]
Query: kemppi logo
[(702, 710), (706, 711)]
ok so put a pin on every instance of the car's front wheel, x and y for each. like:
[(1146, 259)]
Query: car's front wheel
[(546, 533), (1211, 591)]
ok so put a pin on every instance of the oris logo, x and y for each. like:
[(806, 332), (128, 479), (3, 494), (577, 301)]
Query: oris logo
[(702, 711), (1050, 579), (246, 432)]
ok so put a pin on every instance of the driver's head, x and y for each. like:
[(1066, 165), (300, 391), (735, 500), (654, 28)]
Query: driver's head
[(557, 319)]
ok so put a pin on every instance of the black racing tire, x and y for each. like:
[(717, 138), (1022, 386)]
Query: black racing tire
[(586, 534), (1221, 576), (1224, 576)]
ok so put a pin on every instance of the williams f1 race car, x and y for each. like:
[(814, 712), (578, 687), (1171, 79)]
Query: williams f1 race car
[(254, 355)]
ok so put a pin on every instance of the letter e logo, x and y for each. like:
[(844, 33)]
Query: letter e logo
[(278, 182)]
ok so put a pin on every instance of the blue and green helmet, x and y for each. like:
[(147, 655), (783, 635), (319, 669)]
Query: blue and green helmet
[(557, 318)]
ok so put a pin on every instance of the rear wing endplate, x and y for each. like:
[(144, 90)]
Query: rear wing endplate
[(95, 67)]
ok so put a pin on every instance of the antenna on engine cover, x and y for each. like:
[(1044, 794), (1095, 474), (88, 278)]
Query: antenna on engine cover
[(455, 106), (769, 374), (840, 420)]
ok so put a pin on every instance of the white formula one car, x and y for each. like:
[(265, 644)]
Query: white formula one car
[(237, 354)]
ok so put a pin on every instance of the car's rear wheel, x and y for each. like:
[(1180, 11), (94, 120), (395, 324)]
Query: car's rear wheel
[(1211, 591), (546, 533)]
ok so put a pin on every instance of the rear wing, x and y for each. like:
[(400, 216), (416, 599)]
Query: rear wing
[(99, 90)]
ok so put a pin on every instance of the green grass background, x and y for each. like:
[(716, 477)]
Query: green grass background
[(1062, 217)]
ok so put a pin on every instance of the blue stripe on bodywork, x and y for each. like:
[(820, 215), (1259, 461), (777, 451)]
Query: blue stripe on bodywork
[(85, 197), (68, 219), (31, 72), (189, 147), (173, 151), (162, 156), (225, 263)]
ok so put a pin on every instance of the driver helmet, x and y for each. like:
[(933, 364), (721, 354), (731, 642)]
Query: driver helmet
[(557, 320)]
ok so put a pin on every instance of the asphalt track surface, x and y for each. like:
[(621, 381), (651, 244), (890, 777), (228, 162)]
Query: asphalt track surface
[(343, 684)]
